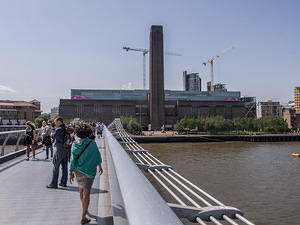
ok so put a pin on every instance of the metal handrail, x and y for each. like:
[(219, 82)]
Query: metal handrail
[(11, 132), (143, 156), (19, 134), (143, 204)]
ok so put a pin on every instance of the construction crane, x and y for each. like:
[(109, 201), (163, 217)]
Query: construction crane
[(211, 61), (144, 52)]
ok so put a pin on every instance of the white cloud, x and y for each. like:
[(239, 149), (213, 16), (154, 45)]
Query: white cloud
[(127, 86), (4, 89)]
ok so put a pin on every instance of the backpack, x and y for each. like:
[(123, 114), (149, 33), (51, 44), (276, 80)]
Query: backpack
[(68, 141)]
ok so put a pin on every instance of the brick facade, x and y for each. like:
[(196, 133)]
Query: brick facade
[(106, 111)]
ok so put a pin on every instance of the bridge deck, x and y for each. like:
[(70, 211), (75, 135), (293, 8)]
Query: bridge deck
[(24, 198)]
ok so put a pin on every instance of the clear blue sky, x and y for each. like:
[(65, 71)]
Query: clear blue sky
[(48, 47)]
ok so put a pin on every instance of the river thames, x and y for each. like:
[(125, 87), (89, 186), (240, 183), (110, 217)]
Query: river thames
[(260, 179)]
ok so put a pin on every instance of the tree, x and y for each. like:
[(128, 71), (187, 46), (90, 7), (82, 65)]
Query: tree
[(179, 126), (219, 124), (131, 124), (38, 121)]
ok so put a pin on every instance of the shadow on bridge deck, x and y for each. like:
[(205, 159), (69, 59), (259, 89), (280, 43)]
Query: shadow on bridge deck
[(24, 198)]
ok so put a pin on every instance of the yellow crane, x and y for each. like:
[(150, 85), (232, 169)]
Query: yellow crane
[(144, 52), (211, 61)]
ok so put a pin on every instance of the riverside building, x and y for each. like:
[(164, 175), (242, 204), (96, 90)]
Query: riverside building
[(269, 108), (105, 105), (155, 106), (18, 112)]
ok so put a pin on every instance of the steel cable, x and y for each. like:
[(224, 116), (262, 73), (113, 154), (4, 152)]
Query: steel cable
[(133, 145)]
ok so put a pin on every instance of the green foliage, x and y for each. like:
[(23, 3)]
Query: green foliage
[(180, 125), (67, 122), (38, 121), (219, 124), (131, 124), (90, 120)]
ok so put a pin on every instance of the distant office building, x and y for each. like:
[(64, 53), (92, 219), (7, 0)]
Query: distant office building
[(297, 121), (250, 106), (289, 115), (53, 112), (191, 81), (297, 106), (297, 99), (18, 112), (269, 108)]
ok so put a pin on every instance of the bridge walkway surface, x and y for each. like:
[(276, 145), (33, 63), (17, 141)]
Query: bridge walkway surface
[(24, 198)]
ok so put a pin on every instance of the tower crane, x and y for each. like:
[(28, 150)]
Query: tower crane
[(211, 61), (145, 52)]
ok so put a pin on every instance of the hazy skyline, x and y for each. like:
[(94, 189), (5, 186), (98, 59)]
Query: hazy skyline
[(48, 47)]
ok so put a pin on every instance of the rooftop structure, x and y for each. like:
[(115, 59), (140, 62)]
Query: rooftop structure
[(191, 81), (170, 95)]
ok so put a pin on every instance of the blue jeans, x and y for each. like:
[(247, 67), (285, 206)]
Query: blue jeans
[(55, 173), (47, 150)]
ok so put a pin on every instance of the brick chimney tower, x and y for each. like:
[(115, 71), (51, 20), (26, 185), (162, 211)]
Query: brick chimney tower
[(156, 83)]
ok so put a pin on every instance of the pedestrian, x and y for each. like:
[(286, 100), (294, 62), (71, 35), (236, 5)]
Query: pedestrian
[(85, 158), (99, 129), (69, 139), (43, 133), (52, 129), (149, 127), (29, 139), (60, 155), (163, 128), (47, 140), (93, 127)]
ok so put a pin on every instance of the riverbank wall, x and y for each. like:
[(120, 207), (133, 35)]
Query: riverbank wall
[(216, 138)]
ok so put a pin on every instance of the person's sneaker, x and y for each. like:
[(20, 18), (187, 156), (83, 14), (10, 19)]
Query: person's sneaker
[(47, 158), (27, 159), (62, 185), (50, 186)]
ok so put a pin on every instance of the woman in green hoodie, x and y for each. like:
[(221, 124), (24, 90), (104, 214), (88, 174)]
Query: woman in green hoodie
[(85, 157)]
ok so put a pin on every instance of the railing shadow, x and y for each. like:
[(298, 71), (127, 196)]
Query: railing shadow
[(76, 189), (41, 160), (19, 161)]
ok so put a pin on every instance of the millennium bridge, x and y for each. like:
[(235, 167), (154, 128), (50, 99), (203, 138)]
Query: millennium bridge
[(123, 195)]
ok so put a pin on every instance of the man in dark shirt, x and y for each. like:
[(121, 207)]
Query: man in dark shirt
[(60, 154)]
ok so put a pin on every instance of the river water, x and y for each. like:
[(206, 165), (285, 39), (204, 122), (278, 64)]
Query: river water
[(260, 179)]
